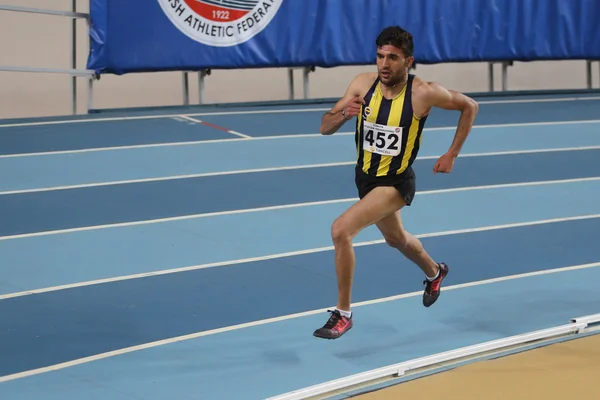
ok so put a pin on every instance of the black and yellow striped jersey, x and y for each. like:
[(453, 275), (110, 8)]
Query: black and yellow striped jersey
[(388, 134)]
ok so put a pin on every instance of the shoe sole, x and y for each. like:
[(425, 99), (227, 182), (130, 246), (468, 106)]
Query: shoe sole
[(331, 338)]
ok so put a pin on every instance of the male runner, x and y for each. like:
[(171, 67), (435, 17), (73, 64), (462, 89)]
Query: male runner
[(391, 107)]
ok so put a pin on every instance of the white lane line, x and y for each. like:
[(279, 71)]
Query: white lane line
[(159, 116), (280, 168), (199, 121), (324, 109), (287, 206), (521, 124), (171, 219), (279, 137), (547, 100), (176, 177), (196, 335), (275, 111), (171, 144), (289, 254)]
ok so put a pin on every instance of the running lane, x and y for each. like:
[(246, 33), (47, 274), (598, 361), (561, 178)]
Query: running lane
[(280, 357), (46, 171), (76, 136), (267, 122), (58, 259), (497, 113), (64, 209), (64, 325)]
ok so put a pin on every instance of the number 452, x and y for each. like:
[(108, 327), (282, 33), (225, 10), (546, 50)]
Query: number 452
[(380, 140)]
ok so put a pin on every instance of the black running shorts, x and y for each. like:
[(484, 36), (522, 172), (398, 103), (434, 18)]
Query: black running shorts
[(405, 183)]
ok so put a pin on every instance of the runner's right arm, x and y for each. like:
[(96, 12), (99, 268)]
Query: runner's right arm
[(345, 109)]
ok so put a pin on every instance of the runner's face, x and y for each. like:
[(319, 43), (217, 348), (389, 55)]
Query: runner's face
[(392, 65)]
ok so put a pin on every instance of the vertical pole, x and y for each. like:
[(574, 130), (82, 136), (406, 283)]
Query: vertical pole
[(491, 76), (306, 85), (74, 58), (185, 87), (588, 68), (90, 100), (291, 83), (90, 97), (201, 76), (504, 75)]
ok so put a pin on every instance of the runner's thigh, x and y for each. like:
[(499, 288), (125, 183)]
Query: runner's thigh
[(378, 204)]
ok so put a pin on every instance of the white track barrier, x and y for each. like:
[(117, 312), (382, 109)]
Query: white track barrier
[(575, 326)]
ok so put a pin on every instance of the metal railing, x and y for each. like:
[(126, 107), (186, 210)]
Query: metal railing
[(506, 64), (73, 71)]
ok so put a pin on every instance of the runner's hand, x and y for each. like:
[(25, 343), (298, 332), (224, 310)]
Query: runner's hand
[(352, 109), (444, 164)]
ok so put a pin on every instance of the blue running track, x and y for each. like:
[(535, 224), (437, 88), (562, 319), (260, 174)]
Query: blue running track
[(148, 256)]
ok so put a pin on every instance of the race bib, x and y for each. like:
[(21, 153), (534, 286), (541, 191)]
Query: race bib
[(382, 139)]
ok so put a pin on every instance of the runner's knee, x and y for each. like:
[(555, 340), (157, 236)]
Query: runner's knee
[(405, 242), (340, 231), (397, 240)]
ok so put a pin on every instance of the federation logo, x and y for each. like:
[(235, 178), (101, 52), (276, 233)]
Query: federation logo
[(220, 22)]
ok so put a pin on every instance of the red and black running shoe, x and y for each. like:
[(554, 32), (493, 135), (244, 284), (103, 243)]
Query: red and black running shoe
[(432, 288), (335, 327)]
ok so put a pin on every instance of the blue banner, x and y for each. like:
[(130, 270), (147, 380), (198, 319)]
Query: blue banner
[(162, 35)]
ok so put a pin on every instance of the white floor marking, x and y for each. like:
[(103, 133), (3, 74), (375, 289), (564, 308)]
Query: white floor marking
[(158, 343), (198, 121), (281, 168), (277, 137), (288, 254)]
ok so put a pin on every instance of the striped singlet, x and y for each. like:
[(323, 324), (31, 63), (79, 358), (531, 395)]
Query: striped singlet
[(388, 134)]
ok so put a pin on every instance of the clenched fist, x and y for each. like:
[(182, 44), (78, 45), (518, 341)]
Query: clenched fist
[(352, 108), (444, 164)]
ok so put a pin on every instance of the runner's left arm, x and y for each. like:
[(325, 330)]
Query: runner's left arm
[(446, 99)]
